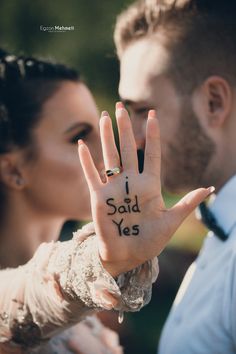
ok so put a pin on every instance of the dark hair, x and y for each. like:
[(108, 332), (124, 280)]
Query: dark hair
[(200, 36), (26, 83)]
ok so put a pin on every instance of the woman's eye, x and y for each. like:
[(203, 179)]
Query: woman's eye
[(81, 135)]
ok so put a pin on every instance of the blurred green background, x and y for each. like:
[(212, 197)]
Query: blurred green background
[(90, 49)]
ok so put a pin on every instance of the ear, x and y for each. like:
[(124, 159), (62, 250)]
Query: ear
[(11, 173), (216, 99)]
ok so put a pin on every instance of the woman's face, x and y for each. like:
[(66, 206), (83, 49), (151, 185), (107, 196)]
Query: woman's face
[(55, 180)]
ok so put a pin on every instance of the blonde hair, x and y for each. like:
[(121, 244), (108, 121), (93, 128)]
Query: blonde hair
[(199, 35), (142, 19)]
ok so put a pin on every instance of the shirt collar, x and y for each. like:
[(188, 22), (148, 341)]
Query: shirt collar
[(223, 205)]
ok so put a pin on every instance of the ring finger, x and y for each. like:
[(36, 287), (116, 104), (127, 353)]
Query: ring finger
[(109, 149)]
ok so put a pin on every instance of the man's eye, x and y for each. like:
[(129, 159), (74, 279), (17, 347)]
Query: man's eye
[(82, 135), (142, 110)]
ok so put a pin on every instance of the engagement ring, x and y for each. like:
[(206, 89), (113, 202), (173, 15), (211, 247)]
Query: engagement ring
[(113, 171)]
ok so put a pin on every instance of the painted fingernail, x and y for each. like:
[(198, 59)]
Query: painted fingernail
[(152, 113), (119, 105), (105, 114), (211, 189)]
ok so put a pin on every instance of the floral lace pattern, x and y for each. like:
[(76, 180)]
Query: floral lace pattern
[(62, 284), (87, 337)]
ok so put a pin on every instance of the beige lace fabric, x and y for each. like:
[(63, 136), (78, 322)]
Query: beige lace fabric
[(89, 336), (62, 284)]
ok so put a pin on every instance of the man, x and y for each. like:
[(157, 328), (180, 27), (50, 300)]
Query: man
[(180, 59)]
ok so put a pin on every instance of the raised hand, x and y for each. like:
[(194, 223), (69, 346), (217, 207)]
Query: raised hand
[(130, 218)]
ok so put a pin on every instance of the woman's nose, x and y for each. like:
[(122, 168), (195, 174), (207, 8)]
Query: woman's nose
[(97, 153)]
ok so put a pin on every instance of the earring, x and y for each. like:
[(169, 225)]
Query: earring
[(19, 181)]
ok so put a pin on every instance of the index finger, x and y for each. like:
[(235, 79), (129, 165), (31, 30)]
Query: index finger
[(91, 173)]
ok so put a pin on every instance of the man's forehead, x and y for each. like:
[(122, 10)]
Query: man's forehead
[(141, 64)]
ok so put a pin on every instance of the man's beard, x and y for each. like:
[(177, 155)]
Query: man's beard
[(188, 155)]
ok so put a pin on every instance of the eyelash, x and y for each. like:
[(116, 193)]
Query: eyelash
[(83, 134), (142, 111)]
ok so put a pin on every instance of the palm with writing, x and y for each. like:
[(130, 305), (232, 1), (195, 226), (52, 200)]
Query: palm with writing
[(131, 221)]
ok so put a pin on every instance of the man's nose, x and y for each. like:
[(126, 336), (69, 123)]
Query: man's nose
[(139, 129), (140, 142)]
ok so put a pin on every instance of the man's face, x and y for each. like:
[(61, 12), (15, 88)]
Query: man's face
[(186, 148)]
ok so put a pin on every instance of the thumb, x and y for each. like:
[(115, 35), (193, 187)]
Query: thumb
[(188, 203)]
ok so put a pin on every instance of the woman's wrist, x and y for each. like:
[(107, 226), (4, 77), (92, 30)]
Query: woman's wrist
[(117, 268)]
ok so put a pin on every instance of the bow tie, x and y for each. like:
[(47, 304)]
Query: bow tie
[(209, 220)]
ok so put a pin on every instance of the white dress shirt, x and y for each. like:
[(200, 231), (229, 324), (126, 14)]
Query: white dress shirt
[(203, 317)]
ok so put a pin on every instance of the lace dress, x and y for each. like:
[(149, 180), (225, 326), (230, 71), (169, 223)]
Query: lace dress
[(60, 286)]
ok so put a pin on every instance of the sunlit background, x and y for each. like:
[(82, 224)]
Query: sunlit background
[(89, 48)]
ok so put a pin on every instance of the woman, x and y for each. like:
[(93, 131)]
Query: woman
[(42, 183), (44, 110)]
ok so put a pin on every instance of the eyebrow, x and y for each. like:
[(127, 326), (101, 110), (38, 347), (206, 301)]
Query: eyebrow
[(128, 102), (76, 126)]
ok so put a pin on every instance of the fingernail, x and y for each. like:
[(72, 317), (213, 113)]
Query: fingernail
[(119, 105), (211, 189), (80, 142), (105, 114), (152, 113)]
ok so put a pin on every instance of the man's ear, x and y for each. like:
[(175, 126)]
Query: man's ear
[(216, 99), (11, 172)]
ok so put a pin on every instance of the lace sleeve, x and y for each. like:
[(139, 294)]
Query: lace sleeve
[(62, 284), (88, 336)]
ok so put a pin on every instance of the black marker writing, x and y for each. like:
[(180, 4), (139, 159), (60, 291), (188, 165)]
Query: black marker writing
[(127, 186), (118, 224), (128, 206), (123, 208), (108, 201), (127, 231)]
